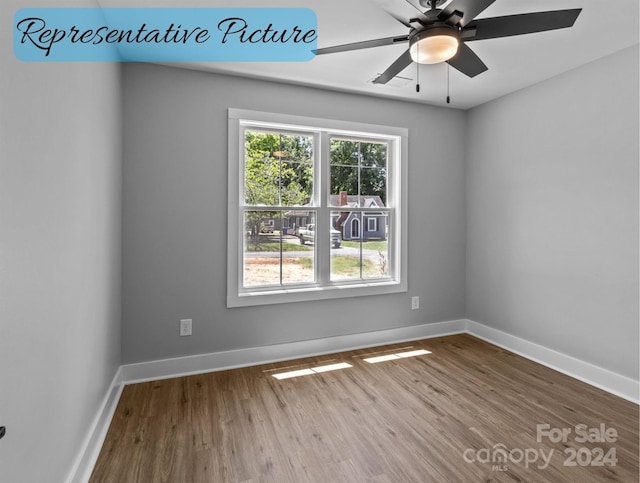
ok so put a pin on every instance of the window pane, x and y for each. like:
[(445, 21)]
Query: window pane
[(346, 262), (273, 254), (358, 173), (297, 182), (345, 152), (373, 184), (344, 185), (375, 245), (261, 249), (373, 154), (278, 169), (364, 252), (298, 248)]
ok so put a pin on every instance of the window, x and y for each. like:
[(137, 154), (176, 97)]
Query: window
[(300, 189), (355, 228)]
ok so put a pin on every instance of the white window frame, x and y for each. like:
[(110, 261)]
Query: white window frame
[(372, 224), (397, 183)]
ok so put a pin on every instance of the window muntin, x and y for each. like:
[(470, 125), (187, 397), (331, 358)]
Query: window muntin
[(293, 173)]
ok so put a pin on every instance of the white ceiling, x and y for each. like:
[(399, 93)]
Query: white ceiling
[(603, 27)]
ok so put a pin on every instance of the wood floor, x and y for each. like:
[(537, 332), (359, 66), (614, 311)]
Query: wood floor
[(447, 416)]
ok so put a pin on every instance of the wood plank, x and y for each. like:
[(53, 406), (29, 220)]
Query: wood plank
[(413, 419)]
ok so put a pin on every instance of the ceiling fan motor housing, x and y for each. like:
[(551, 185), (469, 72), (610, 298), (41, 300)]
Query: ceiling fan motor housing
[(432, 3)]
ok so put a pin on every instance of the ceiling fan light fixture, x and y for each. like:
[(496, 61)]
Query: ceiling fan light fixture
[(433, 46)]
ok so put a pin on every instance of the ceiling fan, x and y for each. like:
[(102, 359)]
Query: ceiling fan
[(441, 35)]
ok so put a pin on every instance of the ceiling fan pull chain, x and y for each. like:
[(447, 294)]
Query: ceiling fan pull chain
[(418, 73), (448, 98)]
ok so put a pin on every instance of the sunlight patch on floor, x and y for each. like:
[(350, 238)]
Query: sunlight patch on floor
[(398, 355), (312, 370)]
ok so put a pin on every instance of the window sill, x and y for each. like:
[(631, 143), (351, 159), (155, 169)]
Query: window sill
[(270, 297)]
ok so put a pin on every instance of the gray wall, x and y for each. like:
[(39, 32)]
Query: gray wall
[(60, 215), (175, 205), (552, 203)]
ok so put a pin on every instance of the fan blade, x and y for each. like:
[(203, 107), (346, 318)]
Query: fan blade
[(470, 9), (526, 23), (467, 62), (367, 44), (396, 9), (398, 18), (394, 69)]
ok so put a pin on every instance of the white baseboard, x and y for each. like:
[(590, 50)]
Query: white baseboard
[(217, 361), (609, 381), (87, 457)]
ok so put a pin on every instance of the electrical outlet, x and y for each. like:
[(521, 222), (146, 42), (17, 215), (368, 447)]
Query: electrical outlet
[(185, 327), (415, 303)]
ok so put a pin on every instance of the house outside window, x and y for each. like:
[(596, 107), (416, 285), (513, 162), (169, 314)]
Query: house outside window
[(300, 191)]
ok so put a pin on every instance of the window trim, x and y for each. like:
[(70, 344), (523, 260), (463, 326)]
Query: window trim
[(397, 193)]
